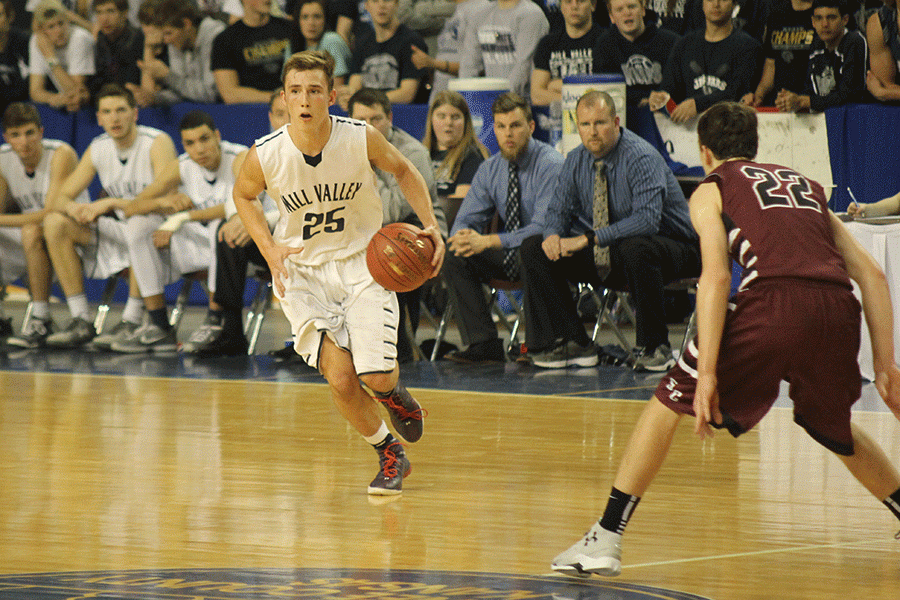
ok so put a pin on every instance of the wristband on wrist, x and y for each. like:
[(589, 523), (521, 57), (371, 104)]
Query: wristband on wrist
[(52, 62), (591, 237)]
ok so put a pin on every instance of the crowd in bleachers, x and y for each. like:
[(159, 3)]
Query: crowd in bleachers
[(115, 56), (231, 51)]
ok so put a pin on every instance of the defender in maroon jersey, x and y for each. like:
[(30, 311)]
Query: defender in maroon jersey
[(794, 318)]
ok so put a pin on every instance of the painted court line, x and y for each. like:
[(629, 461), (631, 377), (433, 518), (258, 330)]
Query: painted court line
[(756, 553), (866, 544)]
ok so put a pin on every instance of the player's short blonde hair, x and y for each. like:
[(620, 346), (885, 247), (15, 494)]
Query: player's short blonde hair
[(311, 60)]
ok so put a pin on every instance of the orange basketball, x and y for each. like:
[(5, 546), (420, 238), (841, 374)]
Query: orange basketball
[(399, 258)]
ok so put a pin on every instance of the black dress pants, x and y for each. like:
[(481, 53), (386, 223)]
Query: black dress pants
[(642, 265)]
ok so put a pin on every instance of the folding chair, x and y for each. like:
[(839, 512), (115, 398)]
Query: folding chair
[(604, 298), (689, 284), (184, 295), (494, 288), (181, 300), (261, 302), (109, 291)]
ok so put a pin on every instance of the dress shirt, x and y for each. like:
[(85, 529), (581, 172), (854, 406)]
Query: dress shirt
[(644, 196), (539, 169)]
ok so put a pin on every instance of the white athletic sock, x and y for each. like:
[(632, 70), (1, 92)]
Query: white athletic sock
[(78, 306), (40, 310), (134, 310), (379, 435)]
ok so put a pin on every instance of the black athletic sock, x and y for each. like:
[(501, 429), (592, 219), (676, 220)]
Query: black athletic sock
[(159, 318), (390, 439), (619, 509), (893, 503)]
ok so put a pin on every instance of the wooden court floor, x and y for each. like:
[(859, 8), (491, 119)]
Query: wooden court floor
[(130, 472)]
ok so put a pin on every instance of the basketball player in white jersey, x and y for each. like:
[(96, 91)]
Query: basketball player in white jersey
[(31, 171), (162, 244), (125, 158), (222, 334), (319, 170)]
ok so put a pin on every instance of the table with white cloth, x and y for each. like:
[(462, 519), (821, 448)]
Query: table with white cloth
[(881, 238)]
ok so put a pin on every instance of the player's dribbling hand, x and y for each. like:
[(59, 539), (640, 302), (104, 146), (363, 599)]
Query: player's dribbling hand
[(438, 259), (706, 405), (887, 382)]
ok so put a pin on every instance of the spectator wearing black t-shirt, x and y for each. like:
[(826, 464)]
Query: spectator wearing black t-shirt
[(120, 45), (13, 59), (248, 56), (707, 66), (836, 74), (565, 51), (341, 16), (553, 11), (382, 58), (635, 48), (789, 37)]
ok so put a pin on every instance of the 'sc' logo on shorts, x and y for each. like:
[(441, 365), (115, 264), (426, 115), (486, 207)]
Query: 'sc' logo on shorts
[(674, 395)]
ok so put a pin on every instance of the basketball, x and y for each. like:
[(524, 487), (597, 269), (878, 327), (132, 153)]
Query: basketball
[(399, 258)]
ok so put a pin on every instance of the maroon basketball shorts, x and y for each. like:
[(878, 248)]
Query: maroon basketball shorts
[(799, 331)]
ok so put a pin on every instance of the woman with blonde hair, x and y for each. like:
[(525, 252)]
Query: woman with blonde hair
[(455, 151)]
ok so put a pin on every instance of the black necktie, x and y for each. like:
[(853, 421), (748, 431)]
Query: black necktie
[(513, 221)]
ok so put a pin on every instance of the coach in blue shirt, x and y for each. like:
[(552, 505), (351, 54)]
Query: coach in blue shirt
[(516, 185), (649, 239)]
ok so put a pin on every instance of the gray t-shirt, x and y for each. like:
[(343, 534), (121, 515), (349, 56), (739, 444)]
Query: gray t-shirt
[(451, 40), (500, 42), (190, 76)]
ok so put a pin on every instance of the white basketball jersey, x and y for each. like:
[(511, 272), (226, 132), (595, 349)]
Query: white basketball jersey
[(329, 204), (208, 188), (124, 174), (30, 191)]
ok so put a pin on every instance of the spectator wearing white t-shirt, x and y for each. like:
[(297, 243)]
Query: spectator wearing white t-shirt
[(61, 58)]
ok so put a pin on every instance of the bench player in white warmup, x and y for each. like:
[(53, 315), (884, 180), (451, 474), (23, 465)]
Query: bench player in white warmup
[(126, 157), (32, 170)]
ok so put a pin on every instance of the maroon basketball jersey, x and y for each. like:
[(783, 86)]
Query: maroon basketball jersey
[(777, 223)]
